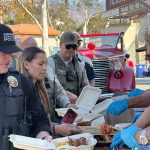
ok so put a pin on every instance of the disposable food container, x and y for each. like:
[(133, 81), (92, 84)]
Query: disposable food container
[(85, 102), (122, 125), (90, 129), (91, 142), (28, 143)]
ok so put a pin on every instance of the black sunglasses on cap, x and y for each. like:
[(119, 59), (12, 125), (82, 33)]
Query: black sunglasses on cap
[(73, 46)]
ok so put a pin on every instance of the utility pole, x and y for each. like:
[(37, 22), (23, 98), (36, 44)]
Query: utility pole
[(45, 44)]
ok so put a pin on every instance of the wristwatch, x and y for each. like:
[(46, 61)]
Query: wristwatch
[(143, 139)]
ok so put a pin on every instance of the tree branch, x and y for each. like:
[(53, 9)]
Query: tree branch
[(35, 20)]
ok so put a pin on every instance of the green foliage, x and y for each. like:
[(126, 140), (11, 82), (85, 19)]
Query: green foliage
[(88, 4), (59, 16), (96, 24), (13, 11), (8, 21), (82, 11), (90, 14)]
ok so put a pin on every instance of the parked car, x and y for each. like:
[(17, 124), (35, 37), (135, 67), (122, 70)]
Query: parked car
[(108, 57)]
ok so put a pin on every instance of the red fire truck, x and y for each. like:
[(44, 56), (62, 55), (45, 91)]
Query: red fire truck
[(108, 57)]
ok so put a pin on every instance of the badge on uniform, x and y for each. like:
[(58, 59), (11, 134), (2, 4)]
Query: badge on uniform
[(13, 82)]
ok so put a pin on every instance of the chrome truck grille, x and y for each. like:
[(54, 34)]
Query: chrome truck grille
[(101, 68)]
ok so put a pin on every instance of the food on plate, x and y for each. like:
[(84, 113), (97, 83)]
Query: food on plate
[(107, 130), (77, 142), (61, 143), (73, 142)]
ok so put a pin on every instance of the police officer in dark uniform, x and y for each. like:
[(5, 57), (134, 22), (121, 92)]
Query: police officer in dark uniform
[(21, 111)]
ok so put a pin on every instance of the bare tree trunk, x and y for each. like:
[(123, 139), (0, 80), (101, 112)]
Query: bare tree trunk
[(45, 44), (86, 23), (44, 27), (1, 17), (85, 28)]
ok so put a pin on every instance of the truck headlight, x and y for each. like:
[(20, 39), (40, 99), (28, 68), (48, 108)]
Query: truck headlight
[(117, 66)]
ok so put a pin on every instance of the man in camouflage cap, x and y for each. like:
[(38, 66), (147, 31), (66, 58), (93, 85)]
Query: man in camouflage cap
[(69, 71), (68, 45)]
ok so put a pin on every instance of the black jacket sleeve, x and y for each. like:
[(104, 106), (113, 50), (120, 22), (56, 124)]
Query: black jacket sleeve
[(89, 71), (34, 107)]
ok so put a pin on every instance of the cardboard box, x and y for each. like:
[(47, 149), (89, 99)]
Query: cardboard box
[(125, 117)]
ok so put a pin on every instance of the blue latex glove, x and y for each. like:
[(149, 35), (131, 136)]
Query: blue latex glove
[(127, 135), (136, 116), (117, 107), (117, 141), (135, 92)]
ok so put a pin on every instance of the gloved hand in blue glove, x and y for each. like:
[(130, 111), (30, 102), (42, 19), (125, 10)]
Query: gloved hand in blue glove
[(136, 116), (135, 92), (127, 135), (117, 107), (117, 141)]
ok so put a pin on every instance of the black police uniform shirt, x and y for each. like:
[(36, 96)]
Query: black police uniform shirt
[(39, 116), (34, 106)]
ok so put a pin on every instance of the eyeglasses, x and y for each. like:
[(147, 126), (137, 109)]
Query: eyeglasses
[(73, 46)]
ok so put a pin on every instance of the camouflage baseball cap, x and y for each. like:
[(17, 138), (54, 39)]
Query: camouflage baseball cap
[(68, 38), (77, 35)]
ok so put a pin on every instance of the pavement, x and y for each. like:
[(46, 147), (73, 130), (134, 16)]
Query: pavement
[(143, 83)]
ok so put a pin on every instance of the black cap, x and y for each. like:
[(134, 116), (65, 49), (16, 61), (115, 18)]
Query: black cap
[(7, 40)]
